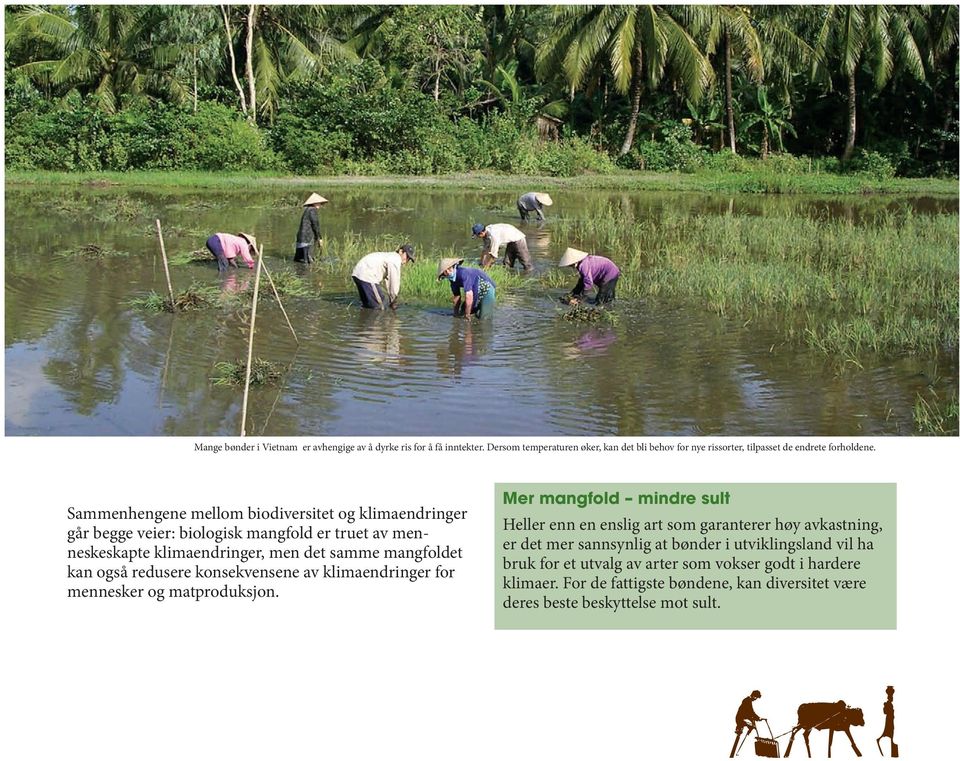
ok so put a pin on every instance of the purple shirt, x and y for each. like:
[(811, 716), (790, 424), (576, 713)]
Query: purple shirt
[(596, 270)]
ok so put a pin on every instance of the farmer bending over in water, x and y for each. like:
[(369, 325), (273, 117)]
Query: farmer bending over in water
[(374, 268), (593, 270), (495, 236), (473, 290), (533, 202), (226, 248)]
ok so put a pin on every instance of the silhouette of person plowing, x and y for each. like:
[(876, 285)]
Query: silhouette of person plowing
[(747, 719)]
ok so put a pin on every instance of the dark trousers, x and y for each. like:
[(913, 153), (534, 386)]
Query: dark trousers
[(525, 213), (304, 253), (517, 250), (606, 291), (371, 294), (215, 248)]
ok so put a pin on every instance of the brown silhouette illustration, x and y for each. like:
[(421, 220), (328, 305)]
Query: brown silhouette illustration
[(833, 716), (746, 718), (888, 726)]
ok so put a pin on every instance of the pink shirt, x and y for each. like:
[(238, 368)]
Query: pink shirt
[(234, 246)]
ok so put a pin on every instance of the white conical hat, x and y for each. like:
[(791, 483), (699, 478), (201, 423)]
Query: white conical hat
[(249, 239), (446, 264), (544, 199), (314, 198), (572, 256)]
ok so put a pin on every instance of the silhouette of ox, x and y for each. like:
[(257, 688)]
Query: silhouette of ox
[(836, 717)]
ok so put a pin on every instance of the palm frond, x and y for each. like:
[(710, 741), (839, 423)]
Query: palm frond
[(691, 66), (908, 52), (35, 22), (622, 45), (741, 30), (853, 39)]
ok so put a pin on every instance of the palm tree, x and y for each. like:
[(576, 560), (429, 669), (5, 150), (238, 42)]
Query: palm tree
[(783, 33), (104, 51), (436, 47), (731, 28), (511, 33), (878, 35), (940, 52), (279, 43), (940, 32), (640, 42), (195, 28)]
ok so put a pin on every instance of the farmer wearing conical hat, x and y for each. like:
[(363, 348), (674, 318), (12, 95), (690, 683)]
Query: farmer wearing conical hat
[(495, 236), (473, 291), (308, 236), (533, 202), (226, 248), (374, 268), (594, 271)]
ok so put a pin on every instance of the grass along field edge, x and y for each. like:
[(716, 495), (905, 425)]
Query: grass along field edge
[(751, 182)]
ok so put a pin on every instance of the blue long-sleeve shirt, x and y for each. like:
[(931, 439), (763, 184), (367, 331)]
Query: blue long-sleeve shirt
[(469, 279)]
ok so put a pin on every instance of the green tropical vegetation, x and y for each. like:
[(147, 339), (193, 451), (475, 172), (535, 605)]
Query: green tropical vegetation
[(527, 89), (826, 281)]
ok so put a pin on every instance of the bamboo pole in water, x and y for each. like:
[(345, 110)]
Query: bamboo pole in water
[(280, 303), (253, 324), (166, 268)]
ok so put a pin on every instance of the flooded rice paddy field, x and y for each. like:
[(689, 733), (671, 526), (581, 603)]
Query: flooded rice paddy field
[(80, 360)]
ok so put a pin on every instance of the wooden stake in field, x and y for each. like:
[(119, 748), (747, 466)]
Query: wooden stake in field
[(253, 324), (166, 267), (280, 304)]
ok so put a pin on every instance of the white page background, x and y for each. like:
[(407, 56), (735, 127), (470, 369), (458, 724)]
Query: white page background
[(367, 669)]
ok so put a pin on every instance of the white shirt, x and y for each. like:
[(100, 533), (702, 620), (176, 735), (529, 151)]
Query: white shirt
[(379, 266), (500, 235)]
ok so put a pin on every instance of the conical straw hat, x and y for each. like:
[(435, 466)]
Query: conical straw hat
[(572, 256), (544, 198), (249, 239), (314, 198), (446, 264)]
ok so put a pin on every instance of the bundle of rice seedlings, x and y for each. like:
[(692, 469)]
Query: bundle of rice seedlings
[(262, 373)]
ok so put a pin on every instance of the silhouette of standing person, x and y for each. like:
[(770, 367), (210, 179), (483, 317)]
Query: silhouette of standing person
[(746, 718), (888, 725)]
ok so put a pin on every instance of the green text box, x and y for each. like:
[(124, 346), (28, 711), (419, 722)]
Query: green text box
[(695, 556)]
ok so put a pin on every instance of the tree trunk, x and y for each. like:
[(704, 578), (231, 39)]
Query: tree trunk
[(636, 90), (728, 70), (251, 79), (943, 142), (436, 79), (765, 145), (194, 79), (233, 59), (851, 116)]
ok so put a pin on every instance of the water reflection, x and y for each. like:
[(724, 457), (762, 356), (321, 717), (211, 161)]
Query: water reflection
[(377, 337), (593, 341), (467, 342), (233, 282)]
